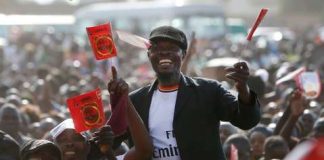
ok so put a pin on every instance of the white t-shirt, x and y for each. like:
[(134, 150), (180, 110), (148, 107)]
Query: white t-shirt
[(120, 157), (160, 126)]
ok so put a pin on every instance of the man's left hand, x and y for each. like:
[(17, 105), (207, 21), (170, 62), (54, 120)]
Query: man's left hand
[(240, 74)]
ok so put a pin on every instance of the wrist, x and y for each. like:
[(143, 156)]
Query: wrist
[(245, 96)]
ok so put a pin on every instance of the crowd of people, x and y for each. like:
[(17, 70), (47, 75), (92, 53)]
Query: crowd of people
[(40, 70)]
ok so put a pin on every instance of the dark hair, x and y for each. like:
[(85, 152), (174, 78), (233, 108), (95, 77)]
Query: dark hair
[(241, 142), (274, 144), (262, 129)]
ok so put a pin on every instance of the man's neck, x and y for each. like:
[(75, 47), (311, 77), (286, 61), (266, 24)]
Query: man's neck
[(169, 80)]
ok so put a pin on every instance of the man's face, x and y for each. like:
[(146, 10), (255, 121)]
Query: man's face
[(165, 57), (9, 121), (73, 145)]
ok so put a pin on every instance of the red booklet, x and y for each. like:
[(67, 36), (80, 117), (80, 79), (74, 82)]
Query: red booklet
[(102, 42), (87, 111)]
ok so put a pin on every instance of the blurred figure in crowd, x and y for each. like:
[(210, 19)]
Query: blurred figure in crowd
[(318, 129), (275, 147), (9, 148), (40, 150), (257, 137), (242, 143), (225, 130), (11, 122)]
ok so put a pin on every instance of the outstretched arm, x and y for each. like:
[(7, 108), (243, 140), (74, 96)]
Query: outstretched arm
[(297, 106), (191, 51), (142, 148), (244, 113)]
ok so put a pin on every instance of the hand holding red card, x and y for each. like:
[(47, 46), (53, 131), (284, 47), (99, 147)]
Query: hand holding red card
[(102, 41), (86, 111)]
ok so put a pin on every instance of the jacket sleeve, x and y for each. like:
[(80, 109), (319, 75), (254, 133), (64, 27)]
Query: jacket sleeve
[(233, 110)]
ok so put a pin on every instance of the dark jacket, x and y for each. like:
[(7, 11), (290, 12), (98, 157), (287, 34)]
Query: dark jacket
[(200, 106)]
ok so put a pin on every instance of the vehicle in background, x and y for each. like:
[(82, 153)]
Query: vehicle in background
[(236, 30), (26, 23), (207, 20)]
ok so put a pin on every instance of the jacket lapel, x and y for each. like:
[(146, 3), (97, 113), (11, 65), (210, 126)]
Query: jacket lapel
[(183, 95)]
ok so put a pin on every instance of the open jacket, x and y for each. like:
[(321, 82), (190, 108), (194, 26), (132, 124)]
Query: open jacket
[(200, 106)]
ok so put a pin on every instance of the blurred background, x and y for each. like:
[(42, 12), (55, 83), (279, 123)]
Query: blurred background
[(45, 55)]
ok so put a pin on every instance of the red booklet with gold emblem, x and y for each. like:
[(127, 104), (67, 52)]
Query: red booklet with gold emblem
[(87, 111), (102, 42)]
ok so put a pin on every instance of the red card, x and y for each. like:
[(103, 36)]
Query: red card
[(262, 13), (86, 111), (102, 42)]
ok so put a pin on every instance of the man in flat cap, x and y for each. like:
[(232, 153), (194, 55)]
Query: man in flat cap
[(182, 114)]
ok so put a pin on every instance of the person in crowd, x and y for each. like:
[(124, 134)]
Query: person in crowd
[(242, 144), (9, 147), (257, 137), (40, 150), (307, 120), (318, 129), (275, 147), (11, 122), (182, 113), (225, 130), (287, 125), (74, 146)]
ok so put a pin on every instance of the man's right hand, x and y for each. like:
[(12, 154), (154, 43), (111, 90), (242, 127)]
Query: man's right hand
[(297, 103), (117, 86)]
